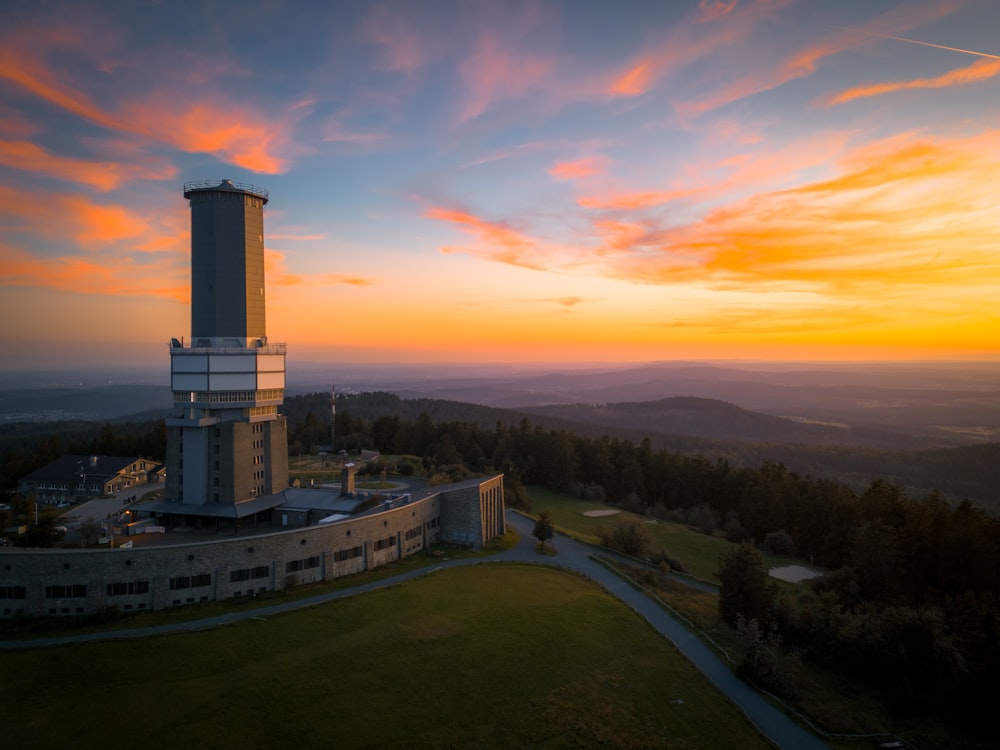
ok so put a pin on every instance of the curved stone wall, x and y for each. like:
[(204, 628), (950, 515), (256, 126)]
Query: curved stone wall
[(37, 582)]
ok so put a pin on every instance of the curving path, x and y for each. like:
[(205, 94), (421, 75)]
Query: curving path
[(572, 555)]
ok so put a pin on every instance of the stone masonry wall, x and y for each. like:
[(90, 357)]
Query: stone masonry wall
[(35, 582)]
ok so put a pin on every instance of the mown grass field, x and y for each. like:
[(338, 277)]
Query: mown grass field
[(491, 656), (699, 552)]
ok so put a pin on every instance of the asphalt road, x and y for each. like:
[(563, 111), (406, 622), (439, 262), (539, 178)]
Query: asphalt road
[(571, 555)]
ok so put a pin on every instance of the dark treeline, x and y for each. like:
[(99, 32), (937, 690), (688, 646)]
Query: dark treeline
[(912, 604), (26, 447)]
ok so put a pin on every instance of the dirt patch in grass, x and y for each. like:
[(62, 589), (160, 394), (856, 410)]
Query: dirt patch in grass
[(600, 513)]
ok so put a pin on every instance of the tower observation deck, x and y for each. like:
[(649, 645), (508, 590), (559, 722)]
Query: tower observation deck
[(227, 443)]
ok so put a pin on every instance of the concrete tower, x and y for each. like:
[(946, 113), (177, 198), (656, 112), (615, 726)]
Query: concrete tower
[(227, 445)]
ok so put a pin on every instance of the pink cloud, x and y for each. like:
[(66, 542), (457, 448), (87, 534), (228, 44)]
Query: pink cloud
[(710, 10), (496, 72), (497, 241), (404, 49), (688, 44), (579, 169)]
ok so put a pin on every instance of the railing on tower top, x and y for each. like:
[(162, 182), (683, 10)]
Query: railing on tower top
[(243, 187)]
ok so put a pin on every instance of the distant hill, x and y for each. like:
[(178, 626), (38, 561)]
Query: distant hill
[(715, 420), (939, 404), (971, 471), (100, 403)]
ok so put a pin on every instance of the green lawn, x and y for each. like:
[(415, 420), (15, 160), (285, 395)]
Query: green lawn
[(491, 656), (699, 552)]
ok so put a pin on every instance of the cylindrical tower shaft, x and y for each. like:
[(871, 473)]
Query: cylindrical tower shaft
[(227, 263)]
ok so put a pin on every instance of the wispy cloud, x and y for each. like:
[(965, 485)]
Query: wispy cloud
[(123, 277), (496, 72), (496, 240), (278, 274), (30, 157), (711, 10), (769, 73), (580, 168), (981, 70), (404, 49)]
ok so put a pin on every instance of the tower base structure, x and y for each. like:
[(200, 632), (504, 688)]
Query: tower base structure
[(226, 444)]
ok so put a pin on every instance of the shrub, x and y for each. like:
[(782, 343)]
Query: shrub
[(628, 536), (779, 543)]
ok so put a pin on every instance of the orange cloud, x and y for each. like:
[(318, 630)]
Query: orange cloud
[(277, 274), (576, 170), (909, 222), (634, 82), (499, 242), (108, 230), (29, 157), (60, 216), (217, 126), (123, 277), (96, 224), (979, 71), (906, 212)]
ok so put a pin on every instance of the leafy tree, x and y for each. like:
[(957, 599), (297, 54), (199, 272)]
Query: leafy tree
[(543, 528), (779, 543), (746, 588), (762, 662)]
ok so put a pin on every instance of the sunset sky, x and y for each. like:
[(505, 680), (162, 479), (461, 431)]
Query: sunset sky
[(496, 180)]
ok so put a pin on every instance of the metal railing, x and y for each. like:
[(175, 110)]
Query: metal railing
[(242, 187)]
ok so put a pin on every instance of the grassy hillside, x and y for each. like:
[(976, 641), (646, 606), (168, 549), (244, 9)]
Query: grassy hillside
[(511, 656)]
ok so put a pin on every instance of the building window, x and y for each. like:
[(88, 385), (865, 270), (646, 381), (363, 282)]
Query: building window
[(124, 588), (262, 571), (65, 592), (187, 582), (381, 544), (296, 565), (347, 554), (13, 592)]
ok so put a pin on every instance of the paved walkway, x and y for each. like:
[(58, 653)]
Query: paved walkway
[(571, 555)]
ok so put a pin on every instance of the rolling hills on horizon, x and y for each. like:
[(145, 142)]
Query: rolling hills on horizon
[(922, 426)]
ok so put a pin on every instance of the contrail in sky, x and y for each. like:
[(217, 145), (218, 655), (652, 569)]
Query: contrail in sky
[(925, 44)]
